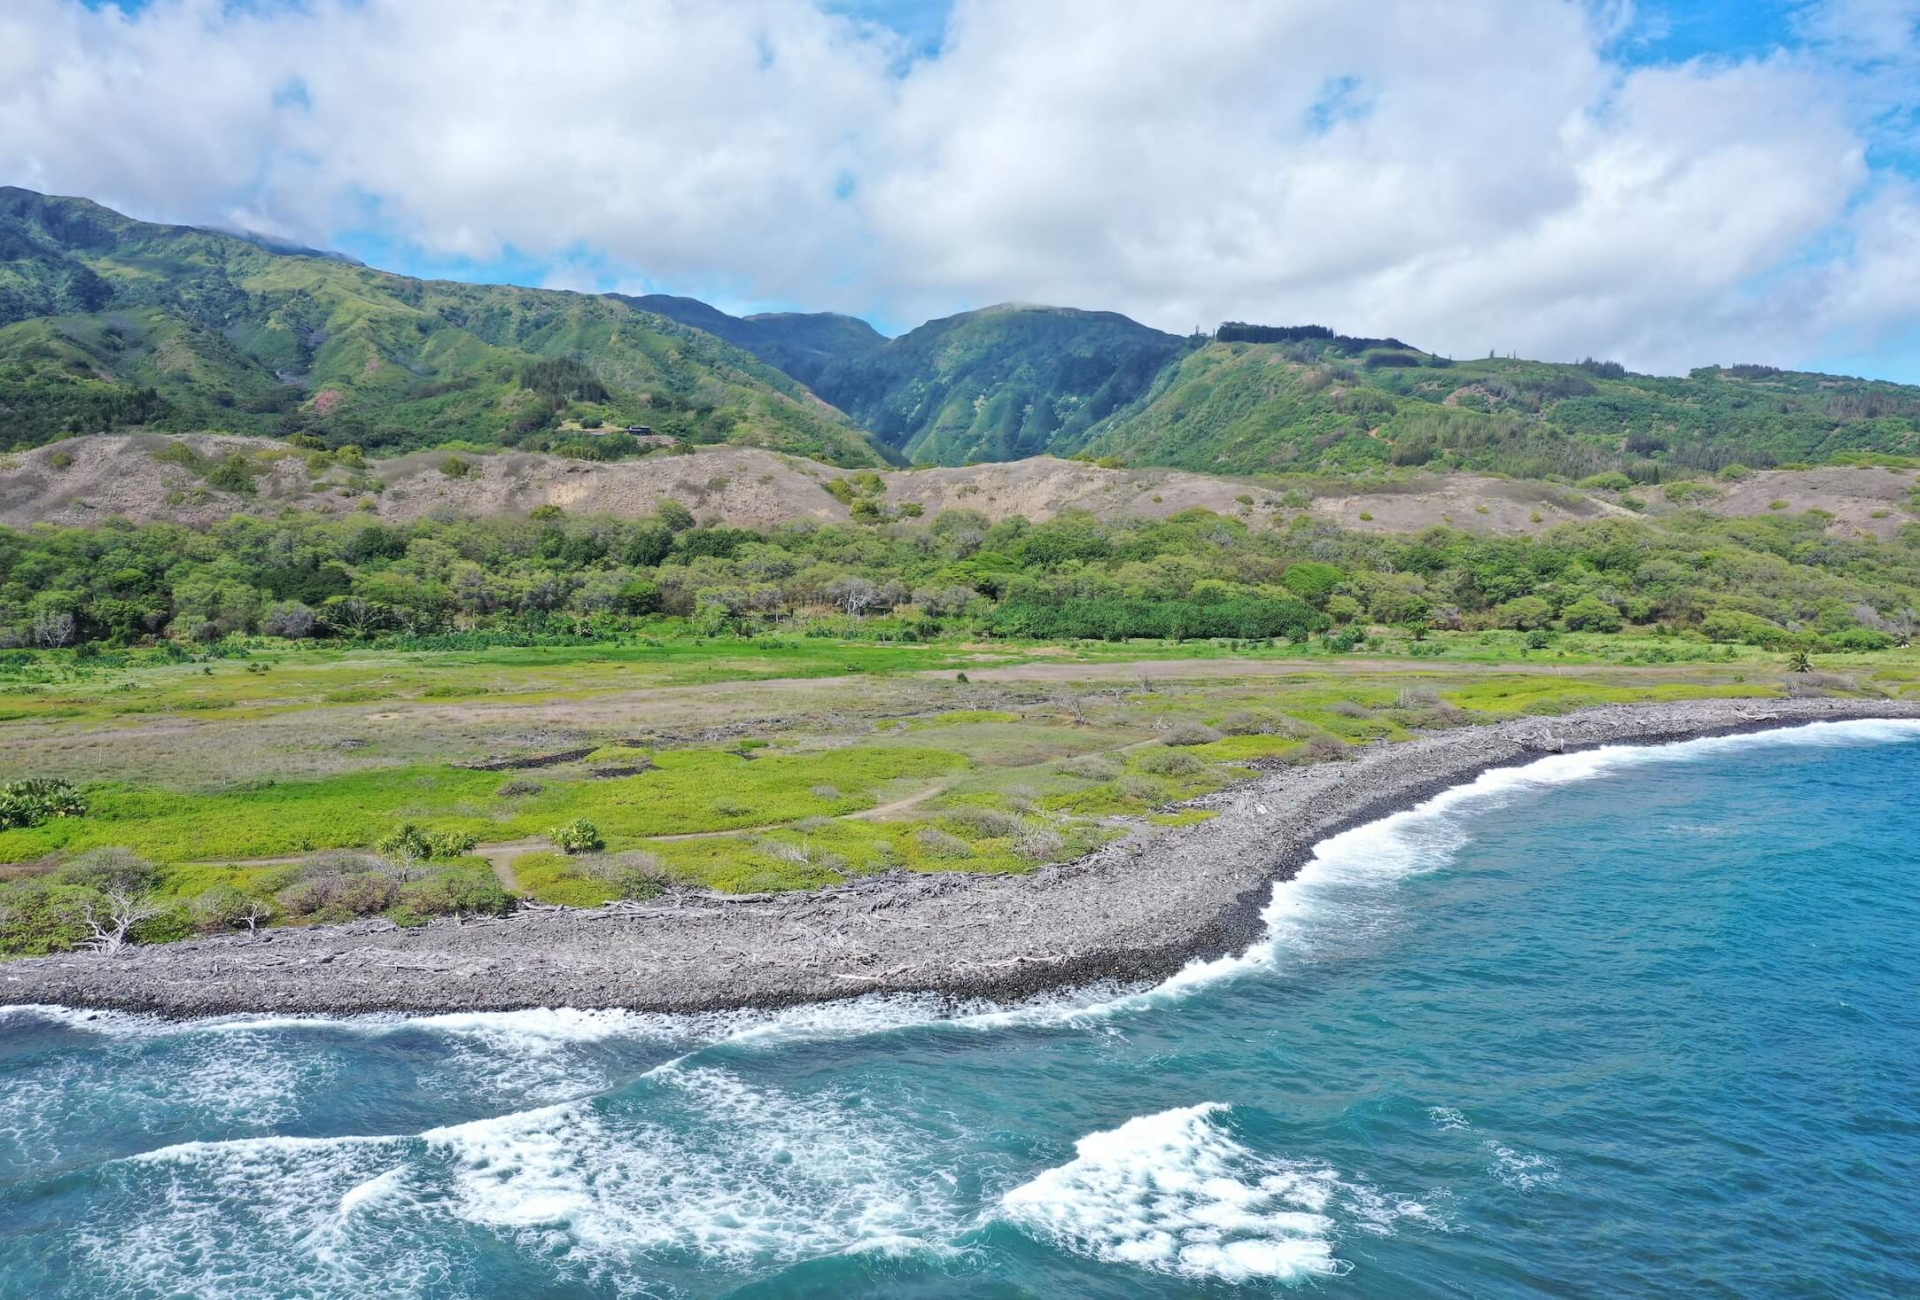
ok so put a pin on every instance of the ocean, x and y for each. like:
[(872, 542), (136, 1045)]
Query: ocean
[(1625, 1022)]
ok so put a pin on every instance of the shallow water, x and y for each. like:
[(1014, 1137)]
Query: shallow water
[(1622, 1022)]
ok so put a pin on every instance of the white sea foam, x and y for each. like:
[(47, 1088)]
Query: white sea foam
[(1175, 1193), (716, 1168), (1322, 895), (1447, 1119), (264, 1217), (1521, 1170), (1380, 853)]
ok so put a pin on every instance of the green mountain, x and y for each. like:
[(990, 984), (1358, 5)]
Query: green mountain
[(1319, 401), (803, 344), (999, 384), (107, 321)]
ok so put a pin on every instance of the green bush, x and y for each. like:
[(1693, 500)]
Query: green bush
[(1041, 616), (1591, 614), (38, 800), (577, 836), (1525, 613), (43, 916), (457, 893), (410, 842), (1861, 639), (1734, 625), (1170, 762)]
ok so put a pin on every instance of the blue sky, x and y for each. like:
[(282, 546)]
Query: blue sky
[(1672, 182)]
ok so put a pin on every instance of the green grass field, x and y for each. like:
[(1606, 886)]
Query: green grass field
[(758, 765)]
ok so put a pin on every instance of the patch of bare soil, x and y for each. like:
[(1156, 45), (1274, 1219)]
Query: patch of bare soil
[(1870, 502), (88, 480), (1474, 502)]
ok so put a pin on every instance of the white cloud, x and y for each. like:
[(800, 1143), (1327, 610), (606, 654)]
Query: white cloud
[(1466, 176)]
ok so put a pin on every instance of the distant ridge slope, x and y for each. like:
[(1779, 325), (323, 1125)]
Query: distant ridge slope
[(106, 321), (803, 344), (1001, 383), (1325, 402)]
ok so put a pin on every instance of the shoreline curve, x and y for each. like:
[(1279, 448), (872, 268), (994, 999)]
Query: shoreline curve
[(1135, 911)]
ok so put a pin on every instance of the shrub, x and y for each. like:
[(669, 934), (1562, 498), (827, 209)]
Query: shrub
[(1140, 789), (518, 786), (109, 871), (340, 898), (408, 842), (37, 800), (1243, 722), (1323, 749), (168, 925), (454, 467), (939, 845), (218, 908), (577, 836), (1091, 767), (1861, 638), (1731, 625), (1039, 843), (986, 823), (457, 893), (1347, 709), (406, 918), (404, 841), (1170, 762), (637, 875), (1539, 639), (1591, 614), (42, 916), (1189, 733), (1525, 613)]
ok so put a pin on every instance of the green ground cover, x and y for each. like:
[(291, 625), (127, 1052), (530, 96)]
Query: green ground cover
[(728, 764)]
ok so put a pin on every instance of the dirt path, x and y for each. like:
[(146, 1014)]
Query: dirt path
[(502, 856), (1190, 669)]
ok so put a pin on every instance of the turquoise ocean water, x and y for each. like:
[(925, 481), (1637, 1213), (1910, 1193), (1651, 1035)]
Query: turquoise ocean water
[(1626, 1022)]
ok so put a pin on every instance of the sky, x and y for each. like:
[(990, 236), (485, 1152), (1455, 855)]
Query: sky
[(1667, 183)]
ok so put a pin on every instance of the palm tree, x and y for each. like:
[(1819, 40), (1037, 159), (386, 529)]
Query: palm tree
[(1798, 662)]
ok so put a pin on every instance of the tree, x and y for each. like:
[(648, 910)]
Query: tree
[(109, 921), (254, 915), (1591, 614), (1525, 613), (1798, 662), (853, 593), (354, 615), (53, 628)]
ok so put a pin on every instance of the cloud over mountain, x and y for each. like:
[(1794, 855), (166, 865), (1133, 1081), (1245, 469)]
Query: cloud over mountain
[(1513, 174)]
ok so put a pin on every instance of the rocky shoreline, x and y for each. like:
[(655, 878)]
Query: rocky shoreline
[(1136, 910)]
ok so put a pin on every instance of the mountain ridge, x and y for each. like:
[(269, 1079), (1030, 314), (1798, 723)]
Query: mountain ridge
[(107, 322)]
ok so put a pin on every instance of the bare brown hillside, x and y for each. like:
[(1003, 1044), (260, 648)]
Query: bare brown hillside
[(146, 477)]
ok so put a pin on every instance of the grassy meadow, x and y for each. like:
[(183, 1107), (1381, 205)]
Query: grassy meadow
[(737, 765)]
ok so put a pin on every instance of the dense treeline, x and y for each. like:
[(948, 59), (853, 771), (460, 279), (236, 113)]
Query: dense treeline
[(1776, 580)]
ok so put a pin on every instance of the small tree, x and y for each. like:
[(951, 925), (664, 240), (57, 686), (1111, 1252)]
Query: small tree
[(853, 594), (109, 921), (254, 915), (1798, 662)]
